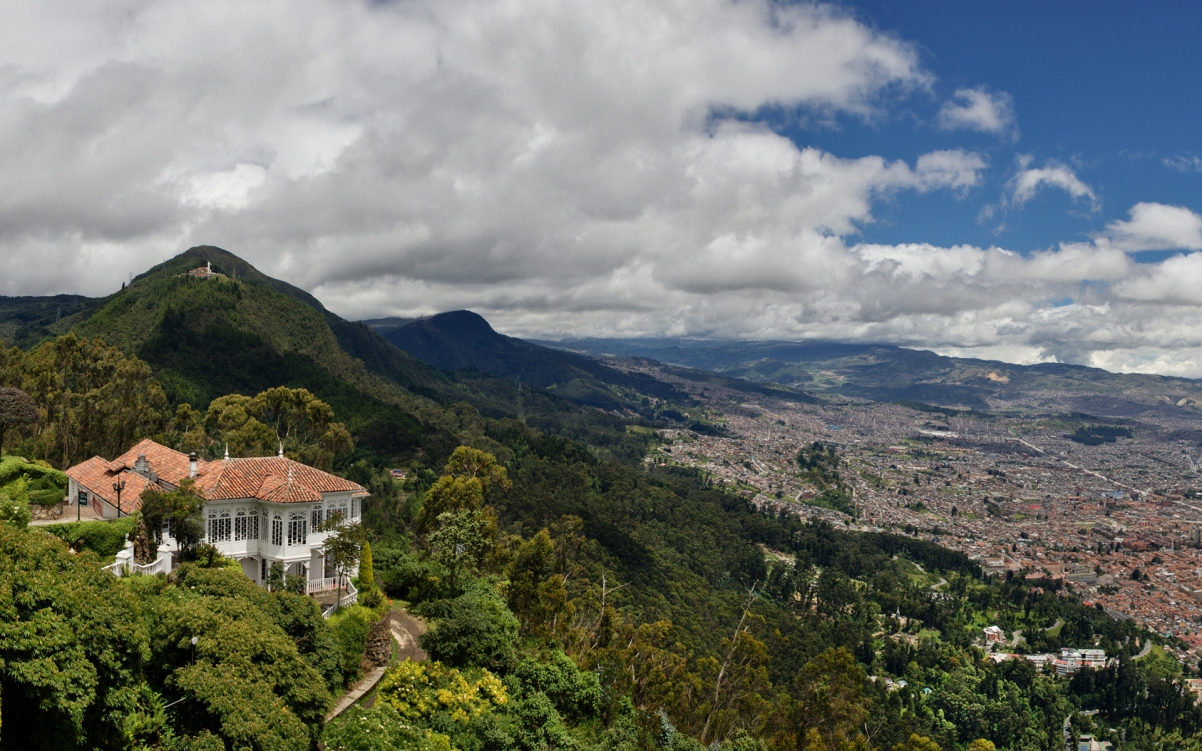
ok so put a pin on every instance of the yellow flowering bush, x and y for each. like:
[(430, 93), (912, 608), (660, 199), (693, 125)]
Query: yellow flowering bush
[(419, 690)]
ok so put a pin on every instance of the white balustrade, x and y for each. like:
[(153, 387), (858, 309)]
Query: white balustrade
[(350, 598), (321, 585)]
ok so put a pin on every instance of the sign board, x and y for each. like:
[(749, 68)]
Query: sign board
[(83, 498)]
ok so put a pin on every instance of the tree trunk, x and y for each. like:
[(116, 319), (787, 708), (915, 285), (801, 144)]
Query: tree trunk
[(145, 551)]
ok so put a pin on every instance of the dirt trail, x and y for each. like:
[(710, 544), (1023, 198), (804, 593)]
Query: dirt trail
[(405, 630)]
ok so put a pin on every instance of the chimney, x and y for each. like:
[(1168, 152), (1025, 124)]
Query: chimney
[(192, 466), (140, 465)]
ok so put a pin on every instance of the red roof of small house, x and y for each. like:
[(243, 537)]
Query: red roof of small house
[(170, 465), (97, 478)]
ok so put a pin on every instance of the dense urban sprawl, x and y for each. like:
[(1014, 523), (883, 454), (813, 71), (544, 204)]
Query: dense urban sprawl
[(1118, 523)]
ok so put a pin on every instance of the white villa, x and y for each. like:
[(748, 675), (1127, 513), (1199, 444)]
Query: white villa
[(257, 511)]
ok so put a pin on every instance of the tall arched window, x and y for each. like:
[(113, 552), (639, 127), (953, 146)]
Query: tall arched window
[(354, 508), (298, 528), (342, 509), (277, 529), (316, 517), (223, 527), (211, 527), (241, 525), (253, 533)]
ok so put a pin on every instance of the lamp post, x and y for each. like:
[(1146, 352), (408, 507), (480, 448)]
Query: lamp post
[(119, 486)]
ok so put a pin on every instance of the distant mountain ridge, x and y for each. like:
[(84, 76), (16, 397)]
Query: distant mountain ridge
[(462, 340), (883, 372)]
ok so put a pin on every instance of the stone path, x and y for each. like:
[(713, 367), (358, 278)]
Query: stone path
[(357, 692)]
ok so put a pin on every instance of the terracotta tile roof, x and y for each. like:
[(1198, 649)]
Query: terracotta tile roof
[(274, 479), (171, 465), (277, 489), (245, 478), (98, 479)]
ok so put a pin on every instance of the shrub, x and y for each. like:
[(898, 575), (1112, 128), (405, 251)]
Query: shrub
[(106, 539), (350, 627), (475, 629), (14, 506), (404, 576), (575, 693), (367, 577), (372, 599), (380, 728), (425, 691), (45, 485)]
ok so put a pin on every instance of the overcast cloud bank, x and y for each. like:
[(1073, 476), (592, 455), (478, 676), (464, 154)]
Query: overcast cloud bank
[(564, 169)]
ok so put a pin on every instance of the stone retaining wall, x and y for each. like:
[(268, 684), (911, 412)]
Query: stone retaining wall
[(379, 642), (43, 513)]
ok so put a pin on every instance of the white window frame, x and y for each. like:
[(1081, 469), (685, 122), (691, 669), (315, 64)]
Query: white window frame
[(298, 529), (241, 525), (219, 528)]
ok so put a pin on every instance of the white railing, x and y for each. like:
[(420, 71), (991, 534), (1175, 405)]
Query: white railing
[(129, 568), (350, 598), (321, 585)]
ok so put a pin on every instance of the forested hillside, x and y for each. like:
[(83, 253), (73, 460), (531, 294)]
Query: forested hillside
[(462, 340), (577, 598)]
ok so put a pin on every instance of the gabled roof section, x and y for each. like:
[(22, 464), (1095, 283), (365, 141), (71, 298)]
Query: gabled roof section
[(277, 489), (171, 465), (96, 476)]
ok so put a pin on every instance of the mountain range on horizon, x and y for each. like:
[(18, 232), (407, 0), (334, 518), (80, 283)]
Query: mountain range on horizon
[(170, 326)]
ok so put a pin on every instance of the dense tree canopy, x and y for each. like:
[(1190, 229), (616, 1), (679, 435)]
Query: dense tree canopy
[(93, 400), (88, 660), (16, 408)]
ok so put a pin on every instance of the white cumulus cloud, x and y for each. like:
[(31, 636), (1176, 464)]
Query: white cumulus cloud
[(1155, 226), (1031, 180), (979, 109)]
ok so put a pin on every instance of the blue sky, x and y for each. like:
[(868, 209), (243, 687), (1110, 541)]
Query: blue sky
[(1110, 89)]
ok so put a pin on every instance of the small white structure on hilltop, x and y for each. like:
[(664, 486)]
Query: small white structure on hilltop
[(258, 511), (204, 272)]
